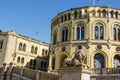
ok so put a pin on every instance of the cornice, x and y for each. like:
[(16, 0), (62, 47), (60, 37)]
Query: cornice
[(86, 42)]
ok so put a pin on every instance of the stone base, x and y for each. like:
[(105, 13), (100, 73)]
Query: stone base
[(74, 73)]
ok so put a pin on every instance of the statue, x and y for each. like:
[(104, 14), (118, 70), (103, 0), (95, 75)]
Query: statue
[(78, 58)]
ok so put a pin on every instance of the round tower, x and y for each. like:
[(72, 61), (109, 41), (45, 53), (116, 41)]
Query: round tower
[(92, 29)]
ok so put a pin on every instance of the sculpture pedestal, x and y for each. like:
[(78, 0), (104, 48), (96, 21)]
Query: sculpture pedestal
[(74, 73)]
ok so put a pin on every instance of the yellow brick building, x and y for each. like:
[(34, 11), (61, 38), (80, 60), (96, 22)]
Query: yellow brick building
[(23, 51), (92, 29)]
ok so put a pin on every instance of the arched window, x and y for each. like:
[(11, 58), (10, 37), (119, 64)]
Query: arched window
[(32, 49), (62, 19), (36, 49), (54, 37), (65, 18), (99, 31), (116, 61), (22, 60), (46, 52), (18, 60), (116, 32), (64, 34), (85, 14), (116, 14), (99, 61), (24, 47), (80, 14), (104, 13), (80, 31), (99, 13), (93, 13), (20, 46), (43, 51), (75, 14), (69, 16), (112, 14)]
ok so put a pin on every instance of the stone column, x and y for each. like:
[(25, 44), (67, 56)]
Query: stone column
[(74, 73), (50, 63)]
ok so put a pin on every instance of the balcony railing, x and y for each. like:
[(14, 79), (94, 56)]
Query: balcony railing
[(106, 71)]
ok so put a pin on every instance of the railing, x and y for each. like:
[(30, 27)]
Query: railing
[(106, 71)]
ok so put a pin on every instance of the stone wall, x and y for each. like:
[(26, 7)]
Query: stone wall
[(26, 74)]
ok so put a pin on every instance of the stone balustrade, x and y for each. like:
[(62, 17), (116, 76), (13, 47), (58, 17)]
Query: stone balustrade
[(106, 71)]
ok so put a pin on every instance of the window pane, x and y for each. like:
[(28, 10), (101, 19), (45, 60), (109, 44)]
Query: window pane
[(96, 32), (22, 60), (20, 46), (119, 34), (36, 49), (75, 15), (43, 51), (80, 15), (101, 32), (18, 60), (104, 13), (78, 33), (112, 14), (63, 33), (66, 35), (32, 49), (114, 33), (24, 47), (82, 33)]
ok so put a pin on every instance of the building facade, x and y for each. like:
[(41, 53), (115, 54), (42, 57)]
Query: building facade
[(93, 29), (23, 51)]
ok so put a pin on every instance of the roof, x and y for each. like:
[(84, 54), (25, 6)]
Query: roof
[(25, 37)]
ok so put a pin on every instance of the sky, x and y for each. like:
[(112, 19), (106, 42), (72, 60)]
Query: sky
[(32, 18)]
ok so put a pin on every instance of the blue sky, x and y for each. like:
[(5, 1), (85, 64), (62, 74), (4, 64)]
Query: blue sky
[(29, 17)]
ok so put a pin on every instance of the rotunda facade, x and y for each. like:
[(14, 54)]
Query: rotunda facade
[(93, 29)]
